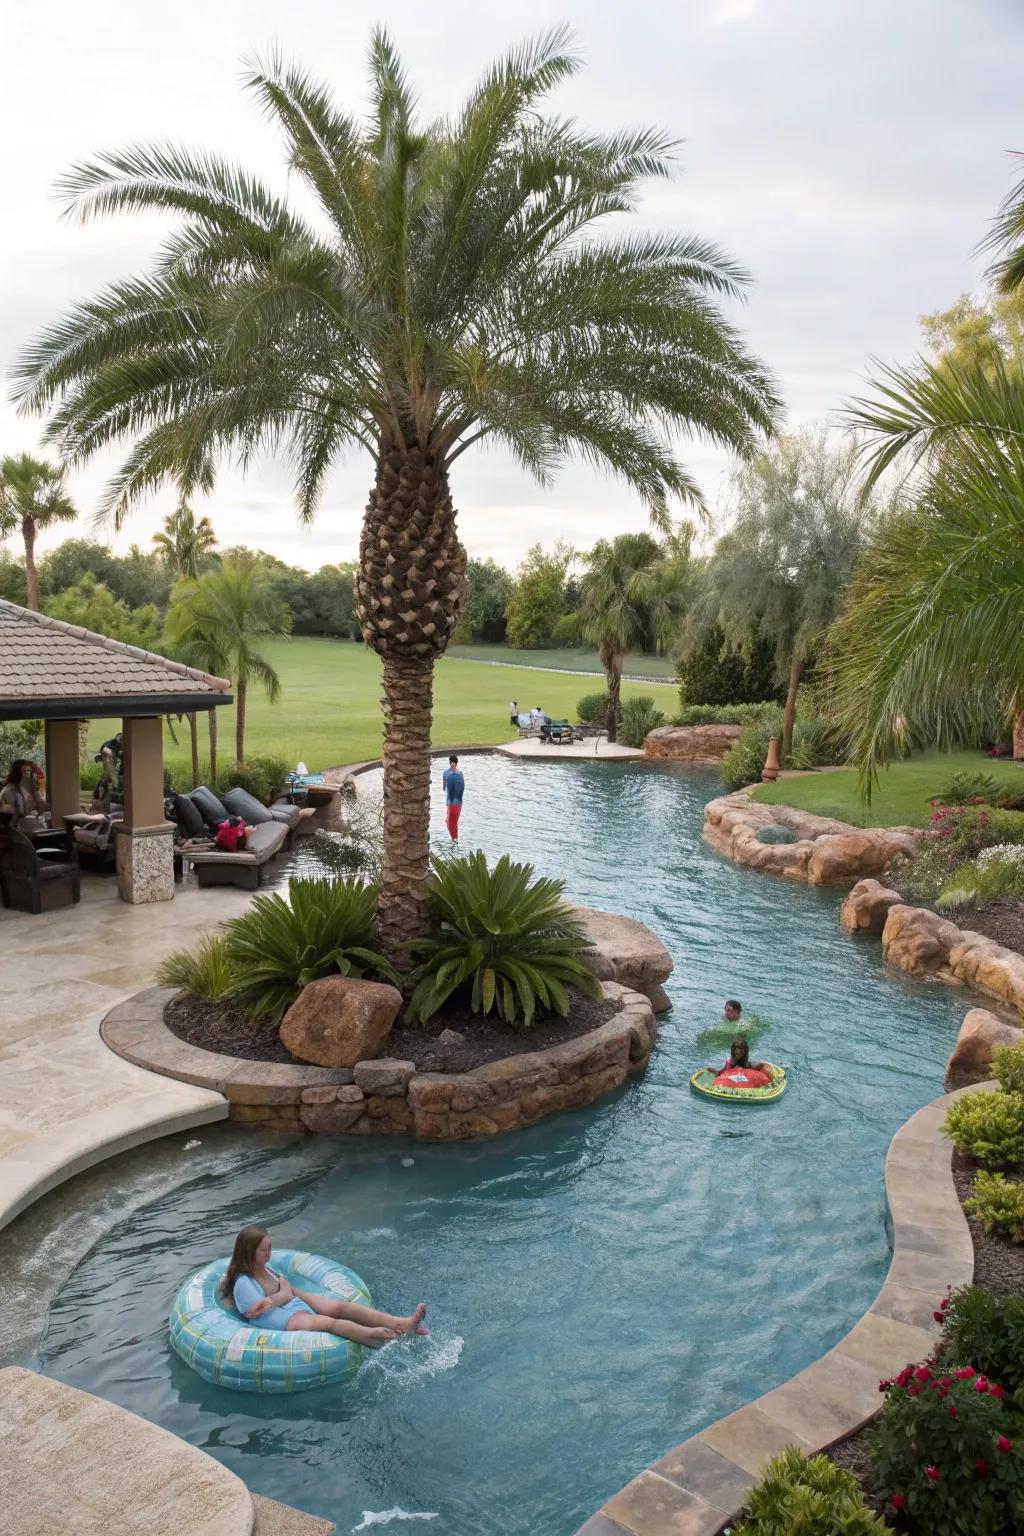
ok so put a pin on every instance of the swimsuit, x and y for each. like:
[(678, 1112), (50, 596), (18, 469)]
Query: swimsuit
[(247, 1292)]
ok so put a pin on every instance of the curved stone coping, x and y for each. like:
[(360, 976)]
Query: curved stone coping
[(826, 852), (73, 1462), (701, 1485)]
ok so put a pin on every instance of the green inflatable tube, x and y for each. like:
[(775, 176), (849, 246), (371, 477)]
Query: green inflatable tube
[(703, 1082)]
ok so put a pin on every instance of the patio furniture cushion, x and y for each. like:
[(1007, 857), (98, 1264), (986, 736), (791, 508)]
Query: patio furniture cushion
[(289, 815), (212, 810), (240, 803), (190, 817), (262, 843)]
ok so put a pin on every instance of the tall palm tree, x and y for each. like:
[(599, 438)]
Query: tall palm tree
[(631, 595), (222, 614), (33, 496), (451, 291), (183, 542), (931, 642)]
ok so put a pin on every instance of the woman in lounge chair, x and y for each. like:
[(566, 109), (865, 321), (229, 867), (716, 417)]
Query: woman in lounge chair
[(261, 1295)]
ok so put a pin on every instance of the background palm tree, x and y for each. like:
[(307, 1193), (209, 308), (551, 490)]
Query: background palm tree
[(221, 615), (185, 543), (33, 496), (451, 291)]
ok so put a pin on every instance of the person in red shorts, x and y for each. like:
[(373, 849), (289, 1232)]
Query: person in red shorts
[(740, 1072), (454, 788)]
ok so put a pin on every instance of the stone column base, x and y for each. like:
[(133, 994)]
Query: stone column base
[(145, 863)]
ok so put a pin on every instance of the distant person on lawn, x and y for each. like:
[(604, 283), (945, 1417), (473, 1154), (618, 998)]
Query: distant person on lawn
[(454, 788), (514, 712)]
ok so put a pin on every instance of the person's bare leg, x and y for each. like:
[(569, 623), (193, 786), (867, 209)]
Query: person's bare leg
[(369, 1317), (358, 1333)]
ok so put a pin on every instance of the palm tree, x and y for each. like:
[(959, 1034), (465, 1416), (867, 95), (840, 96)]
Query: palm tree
[(451, 291), (931, 642), (33, 495), (185, 543), (220, 615), (632, 595)]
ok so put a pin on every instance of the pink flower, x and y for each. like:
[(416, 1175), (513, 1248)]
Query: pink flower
[(932, 1474), (898, 1501), (937, 1316), (1004, 1445), (965, 1373), (944, 1303), (981, 1385), (952, 1410)]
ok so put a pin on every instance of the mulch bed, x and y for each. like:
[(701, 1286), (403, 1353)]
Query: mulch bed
[(218, 1027), (1002, 921)]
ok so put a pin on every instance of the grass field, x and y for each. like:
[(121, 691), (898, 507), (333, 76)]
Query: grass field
[(566, 659), (329, 710), (901, 795)]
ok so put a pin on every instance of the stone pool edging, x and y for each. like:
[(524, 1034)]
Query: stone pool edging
[(700, 1486), (826, 851), (389, 1097)]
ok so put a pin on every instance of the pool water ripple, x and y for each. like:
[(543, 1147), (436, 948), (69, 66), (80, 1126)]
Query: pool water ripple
[(601, 1285)]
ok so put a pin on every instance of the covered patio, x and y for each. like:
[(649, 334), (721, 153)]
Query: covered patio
[(64, 675)]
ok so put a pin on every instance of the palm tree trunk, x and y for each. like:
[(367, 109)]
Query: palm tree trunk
[(796, 672), (404, 896), (240, 688), (1018, 735), (28, 530), (193, 731), (613, 676), (212, 717)]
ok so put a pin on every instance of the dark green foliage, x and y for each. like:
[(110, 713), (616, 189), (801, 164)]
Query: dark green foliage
[(988, 1127), (205, 971), (12, 579), (815, 745), (325, 928), (638, 717), (20, 738), (94, 606), (592, 708), (507, 937), (537, 598), (725, 714), (717, 674), (489, 587), (964, 787), (263, 776), (812, 1497), (986, 1331)]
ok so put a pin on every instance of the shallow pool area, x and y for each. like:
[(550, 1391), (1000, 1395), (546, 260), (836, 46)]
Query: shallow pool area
[(601, 1285)]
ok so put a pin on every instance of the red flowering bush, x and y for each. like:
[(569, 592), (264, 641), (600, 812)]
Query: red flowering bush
[(945, 1451)]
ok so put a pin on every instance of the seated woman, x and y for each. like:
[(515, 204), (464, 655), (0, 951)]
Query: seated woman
[(264, 1297), (740, 1072), (21, 797)]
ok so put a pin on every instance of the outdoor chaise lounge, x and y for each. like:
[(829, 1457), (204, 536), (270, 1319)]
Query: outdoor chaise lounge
[(271, 827)]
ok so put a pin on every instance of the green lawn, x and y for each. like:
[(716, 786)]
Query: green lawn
[(329, 710), (901, 795), (567, 658)]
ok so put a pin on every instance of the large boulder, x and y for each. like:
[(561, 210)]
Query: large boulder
[(337, 1021), (867, 907), (852, 855), (627, 952), (917, 940), (971, 1058), (982, 963), (698, 744)]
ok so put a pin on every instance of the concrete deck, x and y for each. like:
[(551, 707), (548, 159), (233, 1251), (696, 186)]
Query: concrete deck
[(590, 747)]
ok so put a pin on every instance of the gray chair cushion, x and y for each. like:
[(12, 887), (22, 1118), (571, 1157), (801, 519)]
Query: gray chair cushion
[(212, 810), (265, 839), (252, 811), (289, 815), (190, 818)]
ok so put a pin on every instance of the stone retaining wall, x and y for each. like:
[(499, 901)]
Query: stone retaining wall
[(825, 851), (701, 746)]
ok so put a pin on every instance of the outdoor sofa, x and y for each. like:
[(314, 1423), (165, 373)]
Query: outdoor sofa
[(270, 829)]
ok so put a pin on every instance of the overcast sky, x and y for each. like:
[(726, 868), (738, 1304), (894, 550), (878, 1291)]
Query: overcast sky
[(848, 152)]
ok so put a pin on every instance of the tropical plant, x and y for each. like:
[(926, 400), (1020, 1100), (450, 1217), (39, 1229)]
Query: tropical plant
[(640, 716), (592, 708), (325, 928), (217, 618), (811, 1496), (452, 290), (988, 1127), (506, 936), (1008, 1067), (185, 543), (965, 787), (998, 1203), (203, 971), (33, 496), (979, 885), (815, 744), (986, 1331)]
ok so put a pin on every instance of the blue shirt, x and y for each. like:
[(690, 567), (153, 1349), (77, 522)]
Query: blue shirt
[(247, 1292), (455, 786)]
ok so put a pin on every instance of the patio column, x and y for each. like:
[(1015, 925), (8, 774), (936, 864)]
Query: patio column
[(145, 854), (63, 769)]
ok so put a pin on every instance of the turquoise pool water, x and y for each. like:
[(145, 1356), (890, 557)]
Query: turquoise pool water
[(600, 1286)]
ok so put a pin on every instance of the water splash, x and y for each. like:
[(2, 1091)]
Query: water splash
[(385, 1517), (406, 1363)]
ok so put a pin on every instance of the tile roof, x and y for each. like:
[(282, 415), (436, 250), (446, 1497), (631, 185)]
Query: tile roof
[(45, 659)]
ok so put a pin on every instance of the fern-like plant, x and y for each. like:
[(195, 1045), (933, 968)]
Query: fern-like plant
[(813, 1496), (998, 1203), (326, 927), (507, 936), (205, 971)]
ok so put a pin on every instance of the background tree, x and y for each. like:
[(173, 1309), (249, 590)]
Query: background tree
[(975, 333), (183, 543), (33, 496), (780, 572), (488, 591), (711, 671), (95, 607), (452, 289), (538, 596), (12, 579), (223, 613)]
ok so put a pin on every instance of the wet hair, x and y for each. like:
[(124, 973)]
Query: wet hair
[(739, 1053), (14, 777), (454, 758), (732, 1002), (243, 1256)]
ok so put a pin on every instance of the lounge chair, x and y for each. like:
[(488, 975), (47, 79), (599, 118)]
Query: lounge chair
[(217, 866), (30, 882)]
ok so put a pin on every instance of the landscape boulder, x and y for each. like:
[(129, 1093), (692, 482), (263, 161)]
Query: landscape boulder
[(982, 963), (867, 907), (697, 744), (971, 1058), (852, 855), (917, 940), (339, 1021)]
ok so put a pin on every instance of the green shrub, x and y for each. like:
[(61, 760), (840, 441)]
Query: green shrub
[(978, 885), (965, 787), (1008, 1067), (20, 738), (942, 1451), (724, 714), (714, 674), (986, 1331), (813, 1497), (205, 971), (592, 709), (815, 745), (262, 776), (325, 928), (638, 717), (567, 630), (988, 1127), (508, 937), (998, 1203)]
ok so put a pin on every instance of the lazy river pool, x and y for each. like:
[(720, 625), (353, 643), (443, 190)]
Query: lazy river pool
[(601, 1285)]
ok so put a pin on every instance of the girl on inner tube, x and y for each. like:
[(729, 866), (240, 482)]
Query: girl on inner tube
[(740, 1072)]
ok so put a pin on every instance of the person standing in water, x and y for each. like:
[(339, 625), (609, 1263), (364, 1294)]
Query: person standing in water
[(454, 788)]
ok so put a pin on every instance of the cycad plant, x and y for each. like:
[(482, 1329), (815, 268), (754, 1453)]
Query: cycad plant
[(449, 290), (507, 937)]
